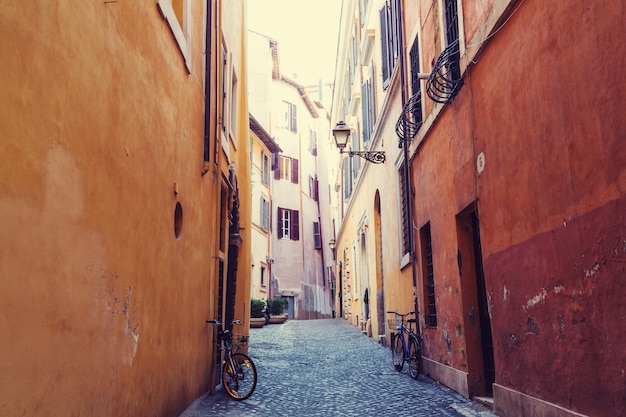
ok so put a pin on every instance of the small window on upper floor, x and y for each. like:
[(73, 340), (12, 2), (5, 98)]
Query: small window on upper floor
[(288, 225), (287, 169), (317, 235), (265, 213), (389, 39), (224, 84), (265, 174), (177, 14), (233, 106), (452, 37), (290, 120), (368, 106), (313, 142)]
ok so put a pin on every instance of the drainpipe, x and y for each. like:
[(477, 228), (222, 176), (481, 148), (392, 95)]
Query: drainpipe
[(405, 149)]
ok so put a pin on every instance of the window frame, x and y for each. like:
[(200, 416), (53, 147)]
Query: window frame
[(180, 29), (265, 213), (388, 18), (317, 235), (288, 224), (265, 168), (291, 119), (428, 275), (233, 103), (288, 169), (403, 215)]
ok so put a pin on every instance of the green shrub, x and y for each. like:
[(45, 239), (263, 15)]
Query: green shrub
[(277, 306), (256, 308)]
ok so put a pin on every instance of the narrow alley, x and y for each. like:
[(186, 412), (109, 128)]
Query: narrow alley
[(328, 368)]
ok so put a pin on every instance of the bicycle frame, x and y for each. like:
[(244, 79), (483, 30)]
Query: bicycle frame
[(238, 371), (408, 341)]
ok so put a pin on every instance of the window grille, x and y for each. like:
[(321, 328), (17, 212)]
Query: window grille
[(430, 316)]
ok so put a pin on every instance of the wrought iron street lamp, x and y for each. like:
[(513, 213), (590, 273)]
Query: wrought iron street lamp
[(341, 132)]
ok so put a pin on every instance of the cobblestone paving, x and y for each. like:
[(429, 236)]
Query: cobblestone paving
[(329, 368)]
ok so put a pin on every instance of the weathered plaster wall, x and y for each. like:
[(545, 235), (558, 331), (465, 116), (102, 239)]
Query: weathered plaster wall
[(544, 104), (103, 308), (558, 311), (554, 258)]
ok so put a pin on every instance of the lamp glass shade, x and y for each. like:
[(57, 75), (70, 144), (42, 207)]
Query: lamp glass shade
[(341, 132)]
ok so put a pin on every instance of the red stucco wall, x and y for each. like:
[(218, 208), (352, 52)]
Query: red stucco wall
[(544, 102)]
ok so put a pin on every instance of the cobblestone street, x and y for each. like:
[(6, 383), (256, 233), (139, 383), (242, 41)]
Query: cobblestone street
[(328, 368)]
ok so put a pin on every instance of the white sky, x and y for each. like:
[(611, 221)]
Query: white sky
[(306, 32)]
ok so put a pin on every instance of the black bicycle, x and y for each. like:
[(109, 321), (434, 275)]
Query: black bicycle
[(406, 345), (238, 373)]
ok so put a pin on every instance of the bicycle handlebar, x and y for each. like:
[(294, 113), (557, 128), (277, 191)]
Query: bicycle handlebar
[(402, 315)]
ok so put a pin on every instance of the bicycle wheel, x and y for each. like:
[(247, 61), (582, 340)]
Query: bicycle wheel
[(397, 353), (239, 383), (415, 357)]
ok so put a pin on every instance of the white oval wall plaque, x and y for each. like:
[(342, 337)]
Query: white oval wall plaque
[(480, 162)]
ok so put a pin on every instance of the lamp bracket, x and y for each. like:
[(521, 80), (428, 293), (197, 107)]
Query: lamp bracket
[(376, 157)]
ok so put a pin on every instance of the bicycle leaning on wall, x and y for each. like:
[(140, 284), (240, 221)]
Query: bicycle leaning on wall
[(406, 345), (238, 372)]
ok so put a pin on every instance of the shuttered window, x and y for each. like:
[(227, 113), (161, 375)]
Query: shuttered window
[(389, 39), (265, 213), (430, 316), (290, 121), (317, 235), (452, 36), (288, 224), (404, 210), (368, 107), (287, 170)]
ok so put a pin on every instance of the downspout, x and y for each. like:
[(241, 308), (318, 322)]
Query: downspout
[(405, 150)]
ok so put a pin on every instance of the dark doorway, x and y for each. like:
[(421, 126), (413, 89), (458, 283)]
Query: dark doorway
[(483, 308), (475, 304)]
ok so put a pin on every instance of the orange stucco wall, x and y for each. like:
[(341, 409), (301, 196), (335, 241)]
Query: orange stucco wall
[(544, 104), (103, 308)]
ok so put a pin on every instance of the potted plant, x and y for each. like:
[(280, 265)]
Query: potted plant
[(257, 317), (276, 308)]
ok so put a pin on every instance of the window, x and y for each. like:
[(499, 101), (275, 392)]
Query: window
[(287, 169), (347, 178), (388, 39), (265, 213), (404, 210), (233, 105), (452, 21), (317, 235), (177, 13), (209, 83), (313, 188), (265, 169), (288, 226), (313, 142), (452, 37), (363, 10), (223, 216), (355, 144), (430, 316), (414, 57), (224, 72), (290, 121), (262, 276), (368, 106)]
